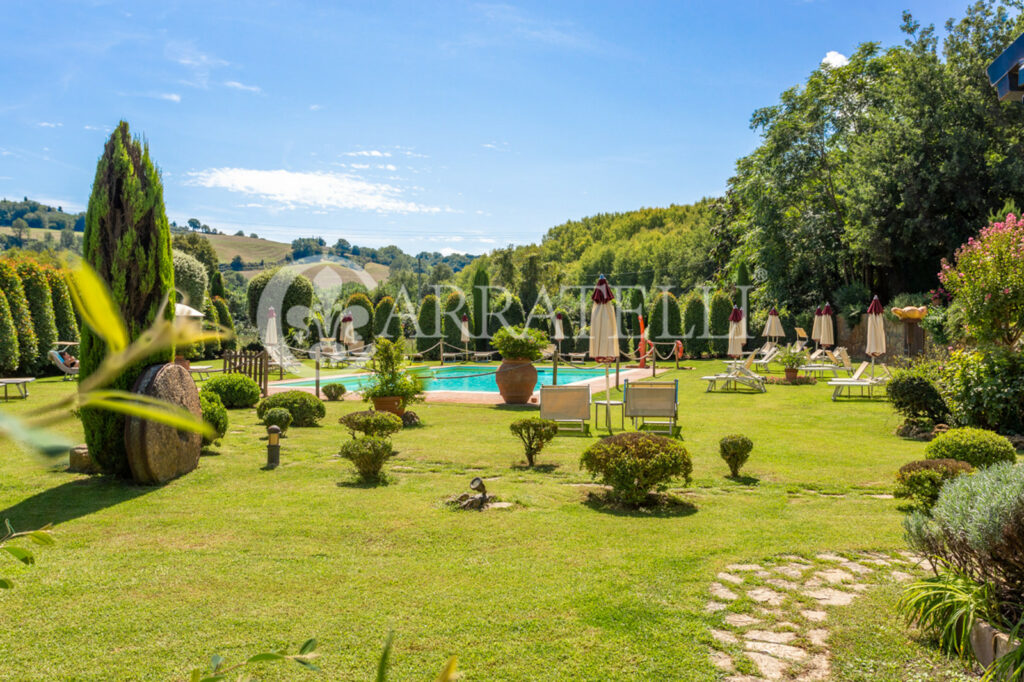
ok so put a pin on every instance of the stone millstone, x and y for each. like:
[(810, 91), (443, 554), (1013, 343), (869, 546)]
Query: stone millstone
[(156, 452)]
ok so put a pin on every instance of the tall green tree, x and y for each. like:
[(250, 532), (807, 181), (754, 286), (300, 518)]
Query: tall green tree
[(429, 331), (226, 322), (217, 285), (28, 344), (63, 308), (40, 307), (664, 320), (385, 320), (211, 320), (694, 321), (718, 313), (8, 339), (127, 242), (451, 321), (480, 297)]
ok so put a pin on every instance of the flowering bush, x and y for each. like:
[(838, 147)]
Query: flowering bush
[(987, 279)]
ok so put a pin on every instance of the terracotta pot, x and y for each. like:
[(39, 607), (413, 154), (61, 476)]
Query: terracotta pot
[(792, 373), (392, 404), (516, 381), (182, 360)]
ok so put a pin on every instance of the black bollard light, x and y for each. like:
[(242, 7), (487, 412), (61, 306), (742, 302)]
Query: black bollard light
[(273, 446)]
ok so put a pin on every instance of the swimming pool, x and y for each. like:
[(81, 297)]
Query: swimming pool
[(462, 378)]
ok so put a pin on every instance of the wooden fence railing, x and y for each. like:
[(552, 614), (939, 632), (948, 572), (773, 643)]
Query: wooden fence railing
[(253, 364)]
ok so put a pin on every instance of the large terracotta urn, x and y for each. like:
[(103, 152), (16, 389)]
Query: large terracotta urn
[(516, 381), (392, 404)]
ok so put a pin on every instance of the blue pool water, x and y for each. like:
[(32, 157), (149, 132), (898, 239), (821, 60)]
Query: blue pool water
[(461, 378)]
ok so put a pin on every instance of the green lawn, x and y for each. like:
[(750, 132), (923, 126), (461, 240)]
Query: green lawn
[(146, 582)]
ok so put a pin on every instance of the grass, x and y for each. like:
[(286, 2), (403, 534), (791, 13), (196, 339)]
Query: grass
[(147, 582), (251, 250)]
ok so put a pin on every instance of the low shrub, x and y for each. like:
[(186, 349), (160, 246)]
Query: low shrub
[(371, 423), (368, 454), (535, 434), (234, 390), (279, 417), (985, 389), (306, 409), (914, 393), (922, 480), (634, 464), (795, 381), (977, 447), (410, 418), (334, 391), (214, 414), (947, 606), (735, 450)]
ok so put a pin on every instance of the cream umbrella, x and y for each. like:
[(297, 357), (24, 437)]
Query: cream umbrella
[(604, 335), (270, 338), (737, 336), (347, 331), (182, 310), (876, 332), (827, 329), (816, 328), (559, 330), (464, 333), (773, 327)]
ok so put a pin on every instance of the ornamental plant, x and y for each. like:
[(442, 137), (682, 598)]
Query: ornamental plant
[(306, 409), (189, 279), (40, 307), (14, 290), (735, 450), (451, 320), (214, 414), (385, 320), (921, 481), (224, 318), (535, 434), (371, 423), (516, 343), (279, 417), (664, 321), (634, 464), (364, 332), (334, 391), (986, 278), (977, 447), (234, 390), (389, 380)]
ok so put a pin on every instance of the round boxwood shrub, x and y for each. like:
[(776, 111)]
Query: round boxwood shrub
[(634, 464), (214, 414), (368, 454), (189, 279), (306, 409), (977, 447), (922, 480), (279, 417), (334, 391), (371, 423), (234, 390), (735, 450)]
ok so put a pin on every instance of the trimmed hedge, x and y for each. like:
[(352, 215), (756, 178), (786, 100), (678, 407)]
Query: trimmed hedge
[(214, 414), (299, 294), (63, 307), (735, 450), (693, 324), (977, 447), (224, 317), (451, 328), (921, 481), (234, 390), (279, 417), (8, 339), (40, 307), (429, 332), (720, 309), (334, 391), (915, 394), (14, 290), (634, 464), (371, 423), (306, 409), (189, 280), (382, 316), (663, 320)]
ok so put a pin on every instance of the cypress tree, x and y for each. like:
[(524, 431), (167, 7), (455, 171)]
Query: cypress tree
[(720, 309), (217, 285), (8, 339), (513, 316), (480, 297), (298, 294), (63, 308), (28, 346), (127, 242), (211, 347), (40, 307), (224, 316), (451, 327), (664, 320), (383, 316), (430, 334), (693, 324), (364, 332)]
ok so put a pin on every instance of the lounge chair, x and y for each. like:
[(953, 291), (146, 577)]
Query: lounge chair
[(282, 359), (566, 405), (484, 355), (858, 380), (738, 375), (652, 400), (763, 357), (19, 383), (57, 360), (201, 372), (576, 358)]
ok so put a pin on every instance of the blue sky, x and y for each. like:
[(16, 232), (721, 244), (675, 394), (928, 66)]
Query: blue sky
[(456, 126)]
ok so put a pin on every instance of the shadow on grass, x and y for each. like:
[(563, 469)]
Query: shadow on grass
[(744, 480), (660, 506), (542, 468), (72, 500), (363, 485), (516, 408)]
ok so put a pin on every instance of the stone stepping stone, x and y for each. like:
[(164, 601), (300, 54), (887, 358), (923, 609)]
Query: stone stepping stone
[(818, 669), (877, 562), (830, 597), (744, 567), (770, 667), (722, 592), (794, 558), (901, 577), (740, 620), (767, 636), (715, 606), (765, 595), (743, 678), (818, 636), (722, 661), (783, 651), (834, 576), (792, 570), (724, 637), (859, 588), (854, 567), (814, 616), (730, 578), (829, 556), (882, 496), (783, 584)]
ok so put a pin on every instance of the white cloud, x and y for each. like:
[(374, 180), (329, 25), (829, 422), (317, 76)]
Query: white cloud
[(47, 124), (448, 251), (169, 96), (388, 166), (317, 189), (235, 85), (359, 166), (196, 61), (496, 146), (835, 59), (371, 152), (316, 107)]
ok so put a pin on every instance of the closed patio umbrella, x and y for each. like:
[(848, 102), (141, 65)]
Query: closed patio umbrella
[(876, 332), (347, 331), (182, 310), (816, 328), (827, 330), (559, 330), (604, 335), (773, 327), (270, 338), (737, 336), (464, 333)]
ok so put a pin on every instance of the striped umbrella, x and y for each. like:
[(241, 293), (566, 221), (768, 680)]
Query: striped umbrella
[(737, 336), (773, 327), (827, 330)]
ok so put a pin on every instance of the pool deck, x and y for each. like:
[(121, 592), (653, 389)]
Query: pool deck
[(481, 397)]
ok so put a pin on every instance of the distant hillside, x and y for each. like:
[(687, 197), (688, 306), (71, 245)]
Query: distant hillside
[(251, 250), (37, 215)]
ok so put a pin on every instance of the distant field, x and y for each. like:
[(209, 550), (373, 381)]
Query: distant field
[(34, 232), (251, 250), (327, 275)]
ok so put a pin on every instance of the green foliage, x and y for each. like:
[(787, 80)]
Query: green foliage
[(43, 536), (509, 307), (516, 343), (735, 450), (719, 310), (633, 464), (14, 290), (189, 279), (127, 242), (214, 414), (40, 307), (664, 320), (371, 423), (985, 389), (63, 309), (535, 434), (430, 332), (791, 359), (200, 248), (480, 297), (279, 417), (914, 393), (364, 332), (8, 339), (383, 316), (334, 391), (306, 409), (852, 301), (368, 454), (947, 606), (451, 320), (299, 294), (693, 323), (977, 447), (226, 322), (211, 347), (922, 480), (234, 390), (219, 669), (389, 380), (217, 285)]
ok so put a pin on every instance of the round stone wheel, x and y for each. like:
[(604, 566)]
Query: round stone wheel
[(156, 452)]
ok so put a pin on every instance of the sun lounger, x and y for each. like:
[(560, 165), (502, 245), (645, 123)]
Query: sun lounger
[(201, 372), (762, 357), (58, 360), (577, 358), (652, 403), (738, 375), (566, 405), (484, 355), (19, 383), (858, 380), (456, 357)]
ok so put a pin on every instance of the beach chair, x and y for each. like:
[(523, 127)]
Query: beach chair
[(801, 340), (19, 383), (738, 375), (763, 357), (858, 380), (484, 355), (56, 359), (654, 403), (566, 405), (200, 372), (576, 358)]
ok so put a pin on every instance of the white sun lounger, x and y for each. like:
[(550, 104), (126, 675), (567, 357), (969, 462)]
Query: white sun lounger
[(739, 375), (566, 405), (20, 384)]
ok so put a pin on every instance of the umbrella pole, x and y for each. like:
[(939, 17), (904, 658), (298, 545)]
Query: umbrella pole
[(616, 374), (554, 368), (607, 399)]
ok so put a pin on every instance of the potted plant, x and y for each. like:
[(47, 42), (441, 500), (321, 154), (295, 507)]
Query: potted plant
[(519, 348), (390, 389), (791, 361)]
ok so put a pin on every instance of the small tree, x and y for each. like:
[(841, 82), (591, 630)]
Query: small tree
[(364, 332), (189, 279), (8, 339), (693, 323), (63, 309), (735, 450), (385, 322), (217, 285), (664, 320), (720, 309), (28, 346), (535, 434), (40, 307), (226, 321), (513, 314), (430, 334), (211, 347)]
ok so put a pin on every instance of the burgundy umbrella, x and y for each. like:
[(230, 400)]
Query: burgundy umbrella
[(737, 337), (826, 331)]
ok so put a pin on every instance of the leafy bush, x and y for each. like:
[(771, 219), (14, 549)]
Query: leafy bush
[(298, 295), (693, 322), (922, 480), (985, 389), (234, 390), (386, 322), (791, 359), (947, 606), (306, 409), (334, 391), (371, 423), (279, 417), (214, 414), (368, 454), (977, 447), (430, 331), (915, 394), (63, 309), (719, 311), (664, 320), (388, 379), (226, 321), (455, 306), (189, 279), (852, 301), (735, 450), (411, 419), (8, 339), (633, 464), (516, 343), (14, 290), (977, 529), (40, 307), (508, 306), (535, 434)]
